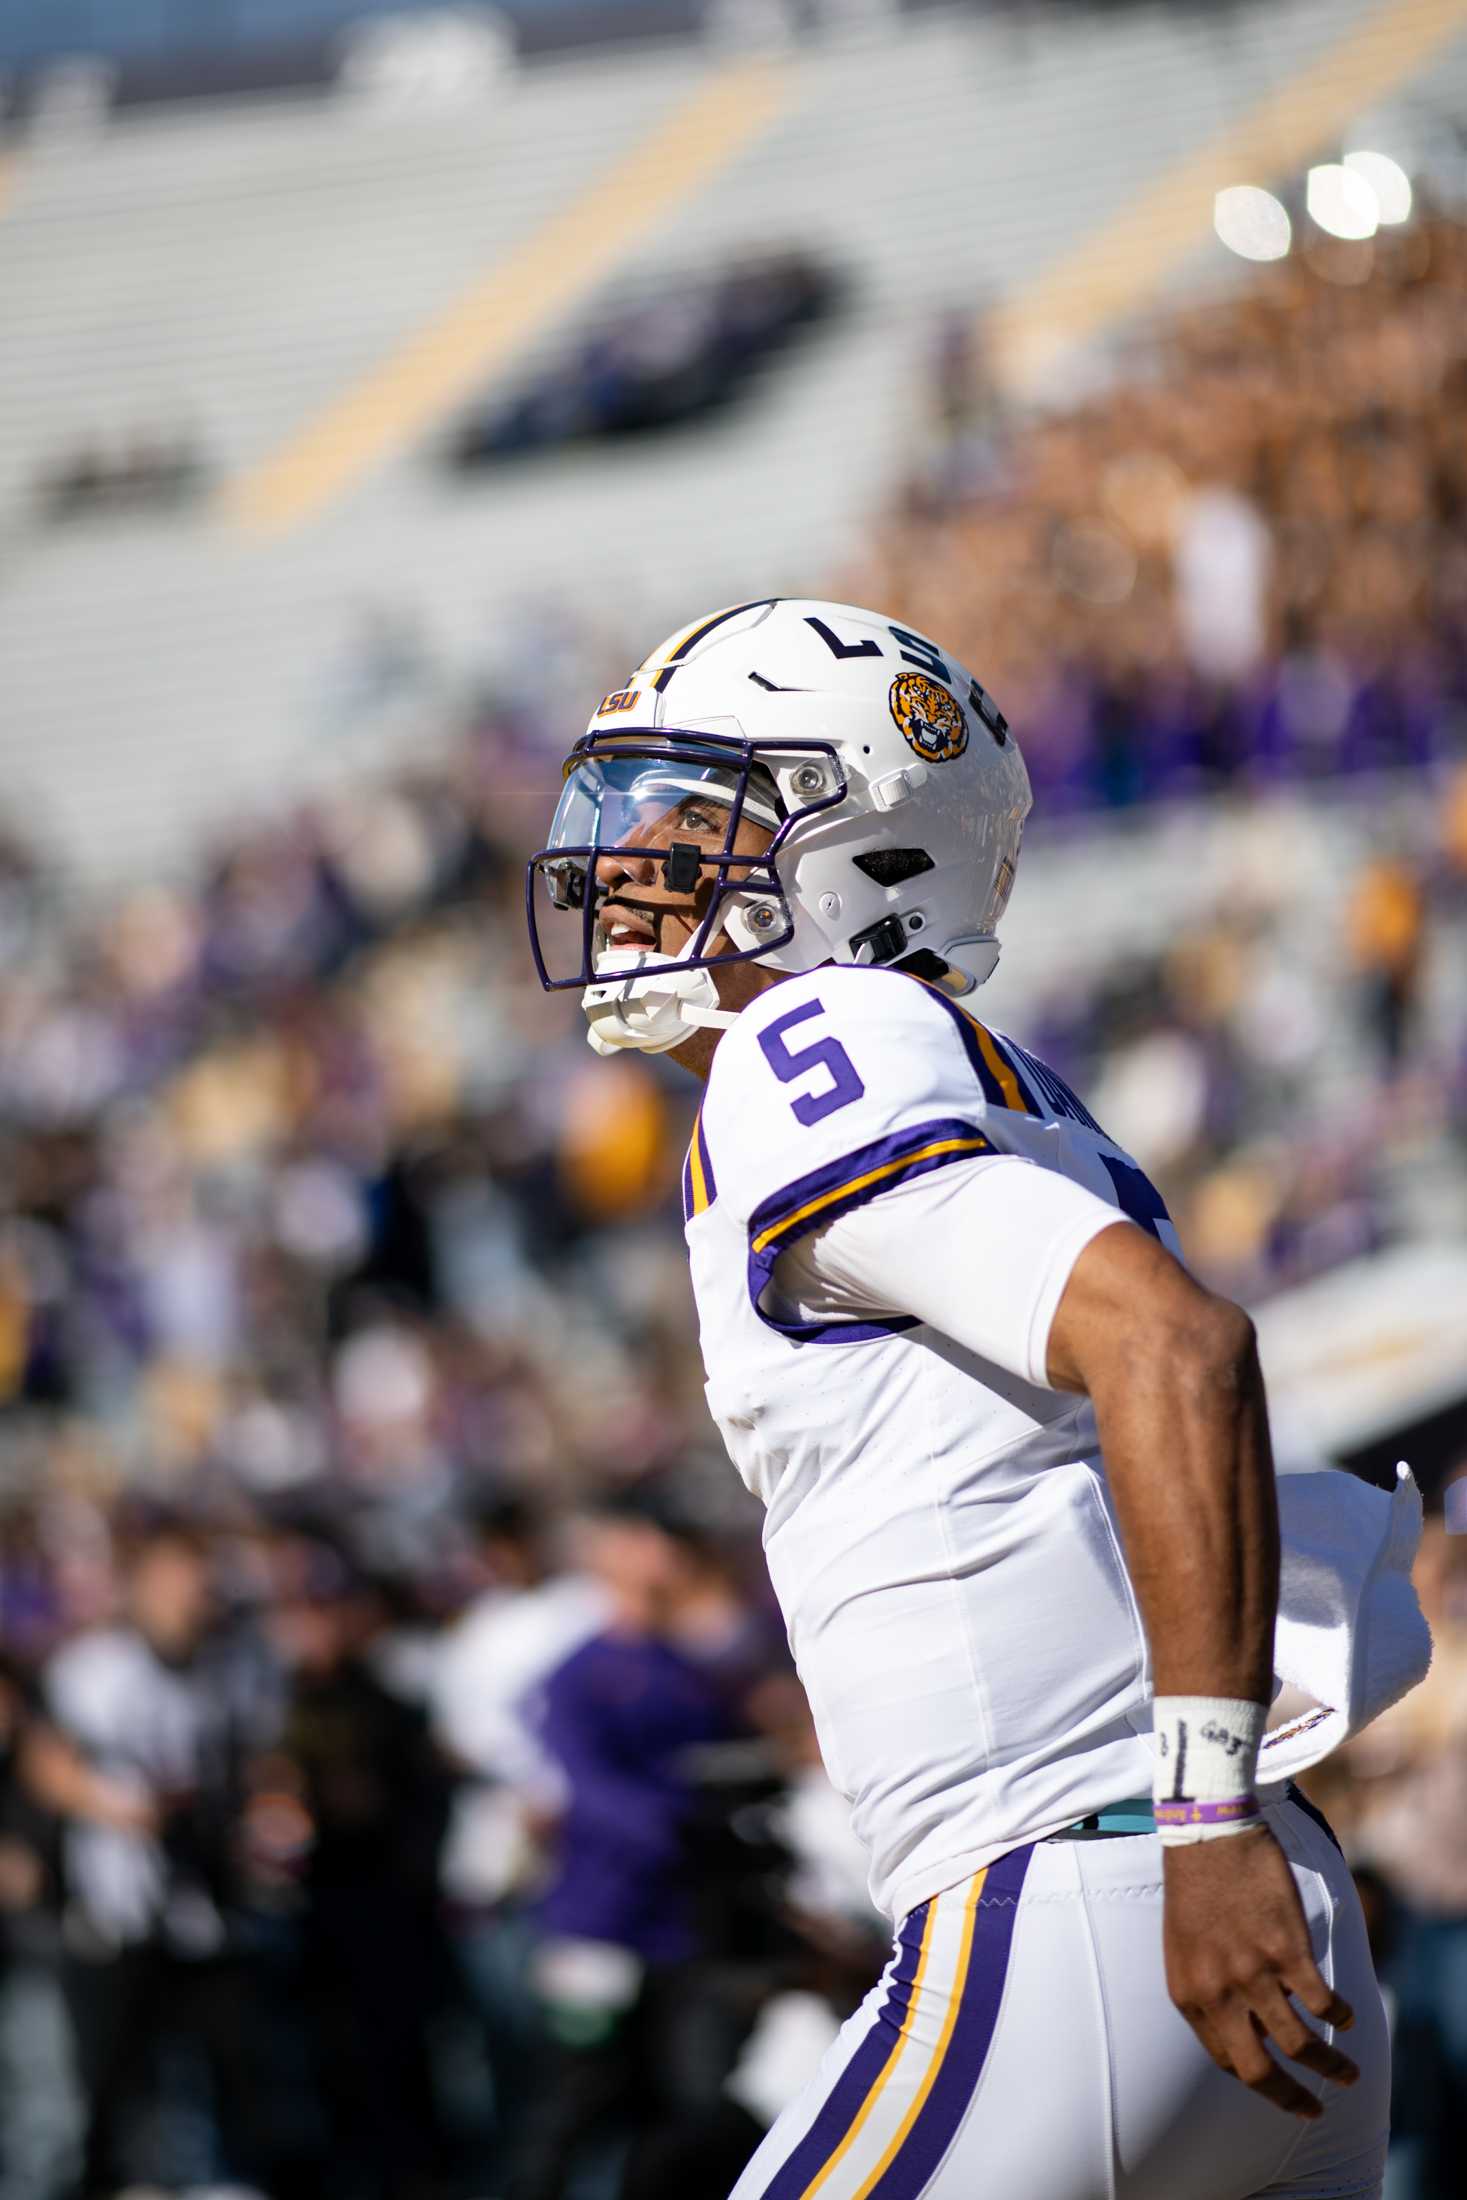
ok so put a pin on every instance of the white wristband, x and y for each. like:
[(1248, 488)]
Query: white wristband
[(1206, 1766)]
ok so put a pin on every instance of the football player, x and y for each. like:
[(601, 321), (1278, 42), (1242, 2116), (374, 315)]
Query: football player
[(1020, 1507)]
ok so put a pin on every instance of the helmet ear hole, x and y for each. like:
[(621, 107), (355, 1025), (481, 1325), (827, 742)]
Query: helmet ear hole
[(893, 866)]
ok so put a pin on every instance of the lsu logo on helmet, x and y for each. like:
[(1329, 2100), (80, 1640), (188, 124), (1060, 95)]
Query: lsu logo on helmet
[(930, 719)]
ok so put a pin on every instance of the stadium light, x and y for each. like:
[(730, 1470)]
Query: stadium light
[(1341, 202), (1387, 179), (1252, 222), (444, 57)]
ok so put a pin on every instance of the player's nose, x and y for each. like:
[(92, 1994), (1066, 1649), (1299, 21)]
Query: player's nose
[(618, 867)]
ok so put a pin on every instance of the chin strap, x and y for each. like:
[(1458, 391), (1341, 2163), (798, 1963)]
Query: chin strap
[(652, 1013)]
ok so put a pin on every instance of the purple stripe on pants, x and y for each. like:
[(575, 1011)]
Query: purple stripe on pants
[(860, 2074), (980, 1992)]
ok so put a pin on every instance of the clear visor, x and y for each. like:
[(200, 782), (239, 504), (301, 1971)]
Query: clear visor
[(652, 844), (626, 801)]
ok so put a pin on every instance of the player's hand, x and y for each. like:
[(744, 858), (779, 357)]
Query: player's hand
[(1237, 1946)]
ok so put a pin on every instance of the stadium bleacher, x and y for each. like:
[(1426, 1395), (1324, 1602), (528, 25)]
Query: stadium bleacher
[(300, 280)]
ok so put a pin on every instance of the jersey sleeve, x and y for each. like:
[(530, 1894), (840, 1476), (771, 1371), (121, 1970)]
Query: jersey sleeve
[(831, 1090), (928, 1253), (847, 1126)]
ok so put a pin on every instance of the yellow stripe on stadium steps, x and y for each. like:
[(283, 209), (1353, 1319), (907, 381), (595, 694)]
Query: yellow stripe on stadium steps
[(542, 278), (1114, 270)]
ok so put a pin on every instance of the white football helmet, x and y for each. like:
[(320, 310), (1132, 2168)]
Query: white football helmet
[(886, 781)]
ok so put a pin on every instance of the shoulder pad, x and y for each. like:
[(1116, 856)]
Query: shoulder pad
[(839, 1073)]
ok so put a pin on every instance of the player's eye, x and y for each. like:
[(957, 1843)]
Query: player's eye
[(697, 817)]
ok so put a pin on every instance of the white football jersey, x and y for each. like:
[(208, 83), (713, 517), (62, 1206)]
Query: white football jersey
[(938, 1526)]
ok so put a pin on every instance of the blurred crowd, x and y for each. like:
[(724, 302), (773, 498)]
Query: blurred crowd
[(402, 1789), (685, 348), (1245, 561), (306, 1182), (1290, 1063), (514, 1874), (1397, 1797), (323, 1238)]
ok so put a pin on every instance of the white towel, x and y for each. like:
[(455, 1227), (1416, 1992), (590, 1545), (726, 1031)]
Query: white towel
[(1351, 1635)]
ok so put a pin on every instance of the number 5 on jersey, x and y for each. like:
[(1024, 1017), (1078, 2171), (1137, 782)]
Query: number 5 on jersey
[(829, 1055)]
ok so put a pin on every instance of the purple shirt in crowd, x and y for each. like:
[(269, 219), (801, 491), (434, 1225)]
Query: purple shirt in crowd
[(619, 1718)]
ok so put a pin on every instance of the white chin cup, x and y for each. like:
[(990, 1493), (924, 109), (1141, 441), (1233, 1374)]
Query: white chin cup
[(978, 957), (652, 1013)]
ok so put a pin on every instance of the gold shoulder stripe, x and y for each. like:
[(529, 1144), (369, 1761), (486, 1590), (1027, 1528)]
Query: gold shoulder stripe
[(697, 1173), (767, 1237), (1002, 1068)]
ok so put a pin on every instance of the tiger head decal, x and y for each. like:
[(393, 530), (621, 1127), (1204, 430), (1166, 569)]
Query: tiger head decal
[(931, 720)]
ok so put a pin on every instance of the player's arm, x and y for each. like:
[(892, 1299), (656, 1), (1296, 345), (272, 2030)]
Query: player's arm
[(1078, 1299), (1173, 1374)]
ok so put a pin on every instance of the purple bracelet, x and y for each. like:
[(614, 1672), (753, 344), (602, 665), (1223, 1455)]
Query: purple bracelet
[(1208, 1814)]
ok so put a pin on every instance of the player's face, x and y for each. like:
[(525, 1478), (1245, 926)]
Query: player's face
[(654, 845), (642, 910)]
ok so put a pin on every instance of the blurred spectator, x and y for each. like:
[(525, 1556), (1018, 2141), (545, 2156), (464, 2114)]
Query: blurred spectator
[(154, 1720), (491, 1670), (372, 1968), (1400, 1794), (1221, 563), (23, 1860), (839, 1944), (1387, 935), (634, 2036), (38, 2110)]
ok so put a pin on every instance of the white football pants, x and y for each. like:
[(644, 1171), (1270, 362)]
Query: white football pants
[(1021, 2046)]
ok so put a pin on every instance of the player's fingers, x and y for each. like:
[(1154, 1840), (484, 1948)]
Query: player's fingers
[(1285, 2092), (1241, 2037), (1207, 2033), (1326, 2061), (1277, 2016), (1303, 1981)]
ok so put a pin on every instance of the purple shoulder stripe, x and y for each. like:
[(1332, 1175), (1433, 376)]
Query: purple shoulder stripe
[(834, 1190)]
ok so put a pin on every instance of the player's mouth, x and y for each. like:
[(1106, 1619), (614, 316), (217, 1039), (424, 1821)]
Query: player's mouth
[(624, 927), (629, 935)]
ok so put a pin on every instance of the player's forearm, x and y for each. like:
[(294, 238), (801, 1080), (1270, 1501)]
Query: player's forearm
[(1184, 1435), (1174, 1378)]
